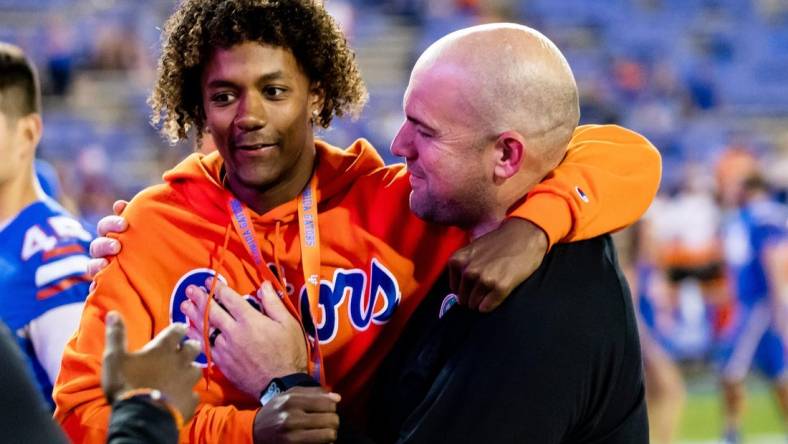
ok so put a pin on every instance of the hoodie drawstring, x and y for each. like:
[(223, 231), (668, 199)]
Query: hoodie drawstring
[(279, 272), (211, 293), (310, 258)]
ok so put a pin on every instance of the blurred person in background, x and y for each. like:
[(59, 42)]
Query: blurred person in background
[(687, 255), (664, 383), (756, 241), (237, 82), (683, 300), (43, 248), (735, 164)]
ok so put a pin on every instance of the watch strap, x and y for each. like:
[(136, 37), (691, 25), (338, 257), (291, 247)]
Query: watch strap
[(297, 380), (284, 383)]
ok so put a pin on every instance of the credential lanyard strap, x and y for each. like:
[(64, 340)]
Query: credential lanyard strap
[(310, 261)]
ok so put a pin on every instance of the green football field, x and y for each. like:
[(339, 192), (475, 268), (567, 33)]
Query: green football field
[(702, 417)]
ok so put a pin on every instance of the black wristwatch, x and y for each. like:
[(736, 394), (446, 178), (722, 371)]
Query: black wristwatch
[(280, 385)]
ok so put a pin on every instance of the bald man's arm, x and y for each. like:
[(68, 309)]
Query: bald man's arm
[(606, 181)]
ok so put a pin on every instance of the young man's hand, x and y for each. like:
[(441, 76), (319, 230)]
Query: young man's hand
[(166, 363), (299, 415), (103, 247), (483, 273), (253, 347)]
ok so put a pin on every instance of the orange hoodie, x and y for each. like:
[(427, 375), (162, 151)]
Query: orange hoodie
[(378, 261)]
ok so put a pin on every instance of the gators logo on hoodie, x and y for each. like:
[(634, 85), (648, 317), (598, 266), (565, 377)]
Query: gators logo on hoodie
[(368, 296)]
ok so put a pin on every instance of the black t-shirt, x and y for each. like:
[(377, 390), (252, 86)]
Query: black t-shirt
[(558, 362)]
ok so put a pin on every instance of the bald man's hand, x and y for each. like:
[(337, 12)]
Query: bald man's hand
[(483, 273)]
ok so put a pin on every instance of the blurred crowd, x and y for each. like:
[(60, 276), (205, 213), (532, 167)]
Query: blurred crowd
[(697, 77)]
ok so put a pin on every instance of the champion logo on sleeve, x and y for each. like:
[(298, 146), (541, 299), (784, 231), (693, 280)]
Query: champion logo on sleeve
[(582, 194)]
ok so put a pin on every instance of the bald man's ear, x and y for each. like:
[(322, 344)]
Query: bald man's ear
[(509, 154)]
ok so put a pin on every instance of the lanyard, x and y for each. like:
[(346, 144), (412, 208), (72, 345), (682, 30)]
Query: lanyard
[(310, 261), (309, 235)]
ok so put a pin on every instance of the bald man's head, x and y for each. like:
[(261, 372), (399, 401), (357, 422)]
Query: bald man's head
[(516, 79), (489, 112)]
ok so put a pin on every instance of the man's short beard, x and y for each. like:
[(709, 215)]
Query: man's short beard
[(462, 214)]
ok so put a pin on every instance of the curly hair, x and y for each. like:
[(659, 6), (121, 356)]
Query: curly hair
[(199, 26)]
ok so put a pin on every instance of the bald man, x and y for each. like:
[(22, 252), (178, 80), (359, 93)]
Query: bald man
[(490, 110)]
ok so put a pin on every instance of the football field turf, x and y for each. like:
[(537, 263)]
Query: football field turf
[(702, 417)]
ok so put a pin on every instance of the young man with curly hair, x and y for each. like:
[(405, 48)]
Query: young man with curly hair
[(330, 229)]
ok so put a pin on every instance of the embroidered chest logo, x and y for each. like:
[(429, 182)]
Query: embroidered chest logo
[(365, 297)]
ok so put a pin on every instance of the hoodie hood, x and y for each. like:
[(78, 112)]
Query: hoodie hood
[(197, 179)]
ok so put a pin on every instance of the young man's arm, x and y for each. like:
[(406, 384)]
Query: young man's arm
[(607, 180), (82, 409)]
